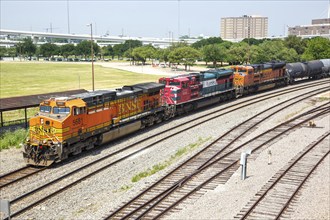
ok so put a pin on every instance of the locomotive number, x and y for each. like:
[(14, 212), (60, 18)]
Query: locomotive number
[(77, 121)]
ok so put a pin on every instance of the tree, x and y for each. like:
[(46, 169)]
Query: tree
[(226, 44), (317, 48), (296, 43), (253, 41), (67, 50), (131, 44), (162, 54), (275, 50), (27, 47), (208, 41), (19, 49), (49, 49), (177, 45), (12, 52), (143, 53), (118, 50), (239, 53), (185, 55), (3, 52), (84, 48), (108, 51), (214, 53)]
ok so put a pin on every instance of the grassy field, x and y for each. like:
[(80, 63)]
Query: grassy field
[(24, 78)]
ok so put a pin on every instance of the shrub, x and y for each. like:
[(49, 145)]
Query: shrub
[(12, 138)]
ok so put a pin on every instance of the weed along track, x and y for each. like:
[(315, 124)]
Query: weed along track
[(212, 166), (70, 179)]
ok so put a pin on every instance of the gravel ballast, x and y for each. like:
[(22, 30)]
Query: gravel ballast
[(98, 195)]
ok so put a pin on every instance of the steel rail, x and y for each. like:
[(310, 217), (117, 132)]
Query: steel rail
[(251, 208), (284, 91), (123, 149), (300, 186), (143, 205), (22, 173), (170, 188), (23, 196), (216, 175)]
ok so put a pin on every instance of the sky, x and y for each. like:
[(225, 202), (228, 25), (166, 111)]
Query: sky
[(153, 18)]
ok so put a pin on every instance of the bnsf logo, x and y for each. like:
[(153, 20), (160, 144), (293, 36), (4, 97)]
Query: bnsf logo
[(41, 130), (127, 107)]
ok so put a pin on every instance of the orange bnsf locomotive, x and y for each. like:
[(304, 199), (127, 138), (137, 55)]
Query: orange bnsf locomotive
[(258, 77), (69, 125)]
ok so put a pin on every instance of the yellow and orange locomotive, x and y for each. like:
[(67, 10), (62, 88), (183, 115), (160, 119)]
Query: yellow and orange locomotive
[(68, 125)]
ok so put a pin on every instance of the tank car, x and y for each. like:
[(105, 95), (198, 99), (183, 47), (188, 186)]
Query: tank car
[(68, 125), (326, 66), (314, 69), (296, 70)]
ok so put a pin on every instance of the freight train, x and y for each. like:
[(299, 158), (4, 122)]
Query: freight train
[(66, 126)]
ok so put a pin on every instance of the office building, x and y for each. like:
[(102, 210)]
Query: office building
[(318, 27), (244, 27)]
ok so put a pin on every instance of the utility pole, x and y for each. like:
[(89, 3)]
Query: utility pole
[(92, 52), (178, 19), (329, 9), (68, 14)]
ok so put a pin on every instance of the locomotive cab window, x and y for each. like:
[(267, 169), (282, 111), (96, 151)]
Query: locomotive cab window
[(162, 81), (241, 71), (79, 110), (174, 83), (61, 110), (45, 109)]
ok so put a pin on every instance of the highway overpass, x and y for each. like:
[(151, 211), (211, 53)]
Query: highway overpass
[(11, 37)]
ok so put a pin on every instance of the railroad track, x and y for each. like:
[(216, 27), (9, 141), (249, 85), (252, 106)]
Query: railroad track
[(17, 201), (24, 172), (273, 200), (17, 175), (182, 183)]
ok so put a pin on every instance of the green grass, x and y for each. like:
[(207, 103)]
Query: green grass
[(19, 114), (24, 78), (123, 188), (12, 138), (322, 99), (162, 165)]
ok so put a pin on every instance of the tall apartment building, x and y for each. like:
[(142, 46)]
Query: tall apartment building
[(318, 27), (244, 27)]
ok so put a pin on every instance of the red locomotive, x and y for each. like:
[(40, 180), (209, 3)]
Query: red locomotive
[(195, 90)]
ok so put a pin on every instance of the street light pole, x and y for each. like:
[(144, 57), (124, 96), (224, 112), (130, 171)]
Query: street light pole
[(92, 52)]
